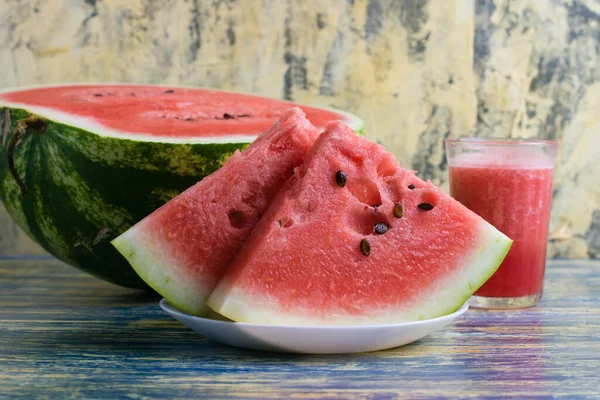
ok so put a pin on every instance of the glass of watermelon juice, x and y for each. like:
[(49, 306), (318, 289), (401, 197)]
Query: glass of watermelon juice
[(509, 184)]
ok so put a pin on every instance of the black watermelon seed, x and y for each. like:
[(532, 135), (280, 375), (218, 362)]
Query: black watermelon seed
[(365, 247), (425, 206), (97, 95), (398, 210), (292, 172), (380, 228), (285, 222), (228, 116), (340, 178), (411, 186), (170, 91)]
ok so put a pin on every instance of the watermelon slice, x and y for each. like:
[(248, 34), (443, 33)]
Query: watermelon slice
[(355, 239), (82, 163), (181, 250)]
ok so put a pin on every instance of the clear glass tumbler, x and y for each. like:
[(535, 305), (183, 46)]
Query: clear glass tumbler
[(509, 184)]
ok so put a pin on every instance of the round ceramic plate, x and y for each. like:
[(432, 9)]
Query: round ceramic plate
[(312, 339)]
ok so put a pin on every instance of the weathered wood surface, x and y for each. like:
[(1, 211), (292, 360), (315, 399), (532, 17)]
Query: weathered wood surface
[(418, 71), (66, 334)]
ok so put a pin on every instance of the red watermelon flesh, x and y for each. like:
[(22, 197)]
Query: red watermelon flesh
[(181, 249), (304, 263), (168, 113)]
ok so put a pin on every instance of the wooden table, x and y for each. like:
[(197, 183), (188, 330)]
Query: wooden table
[(66, 334)]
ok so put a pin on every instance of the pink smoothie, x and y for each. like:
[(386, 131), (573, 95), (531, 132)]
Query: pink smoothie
[(515, 197)]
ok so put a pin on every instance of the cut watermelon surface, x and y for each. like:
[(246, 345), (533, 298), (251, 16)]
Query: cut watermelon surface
[(355, 239), (157, 113), (181, 250), (80, 164)]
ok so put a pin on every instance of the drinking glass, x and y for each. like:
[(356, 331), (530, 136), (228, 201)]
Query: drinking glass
[(509, 184)]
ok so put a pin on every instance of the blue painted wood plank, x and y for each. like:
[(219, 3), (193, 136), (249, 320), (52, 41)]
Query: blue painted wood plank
[(66, 334)]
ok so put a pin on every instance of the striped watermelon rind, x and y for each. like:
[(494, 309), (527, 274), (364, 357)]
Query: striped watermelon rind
[(83, 189), (84, 185)]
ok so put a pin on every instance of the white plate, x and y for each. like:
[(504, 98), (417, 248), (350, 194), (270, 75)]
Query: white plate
[(311, 339)]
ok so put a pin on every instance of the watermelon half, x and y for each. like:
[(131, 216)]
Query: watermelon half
[(182, 249), (83, 163), (355, 239)]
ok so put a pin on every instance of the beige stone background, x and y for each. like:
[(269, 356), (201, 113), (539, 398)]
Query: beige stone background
[(418, 71)]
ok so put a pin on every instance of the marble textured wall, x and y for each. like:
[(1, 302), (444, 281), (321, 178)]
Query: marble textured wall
[(418, 71)]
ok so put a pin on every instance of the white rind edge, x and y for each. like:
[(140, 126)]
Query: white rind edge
[(89, 125), (352, 121), (174, 311), (155, 267), (477, 268)]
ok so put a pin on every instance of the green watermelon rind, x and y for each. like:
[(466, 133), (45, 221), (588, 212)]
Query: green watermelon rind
[(152, 264), (478, 267), (494, 248), (84, 182)]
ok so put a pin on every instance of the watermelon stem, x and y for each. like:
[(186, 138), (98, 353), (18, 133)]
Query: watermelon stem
[(5, 125), (20, 130)]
